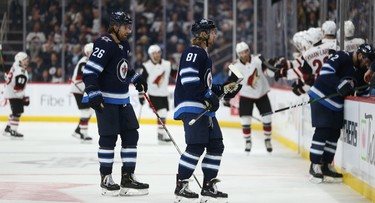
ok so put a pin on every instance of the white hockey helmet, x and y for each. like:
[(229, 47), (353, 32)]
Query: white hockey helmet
[(329, 27), (314, 35), (88, 48), (349, 29), (152, 49), (240, 47), (19, 58)]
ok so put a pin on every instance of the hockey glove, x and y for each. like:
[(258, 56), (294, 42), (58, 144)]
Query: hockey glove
[(95, 98), (280, 73), (233, 89), (139, 83), (297, 87), (345, 88), (226, 102), (141, 98), (212, 101), (26, 101)]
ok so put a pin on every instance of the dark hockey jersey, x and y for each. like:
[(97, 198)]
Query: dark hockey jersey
[(194, 79), (108, 68), (339, 67)]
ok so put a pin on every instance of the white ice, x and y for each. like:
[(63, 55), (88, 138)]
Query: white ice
[(50, 165)]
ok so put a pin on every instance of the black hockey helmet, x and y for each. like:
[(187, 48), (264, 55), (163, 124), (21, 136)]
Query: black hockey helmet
[(202, 25), (120, 18), (367, 51)]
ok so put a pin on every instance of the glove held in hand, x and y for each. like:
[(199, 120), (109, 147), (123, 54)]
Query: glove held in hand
[(212, 100)]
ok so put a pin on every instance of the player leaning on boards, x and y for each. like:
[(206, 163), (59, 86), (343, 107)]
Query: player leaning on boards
[(341, 73), (15, 83), (107, 77), (193, 93), (156, 71), (77, 87), (254, 92)]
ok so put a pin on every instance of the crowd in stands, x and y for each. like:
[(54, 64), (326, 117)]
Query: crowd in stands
[(81, 23)]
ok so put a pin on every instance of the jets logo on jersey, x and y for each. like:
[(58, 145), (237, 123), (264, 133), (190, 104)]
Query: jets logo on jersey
[(159, 79), (120, 46), (253, 79), (105, 38), (122, 70), (208, 78)]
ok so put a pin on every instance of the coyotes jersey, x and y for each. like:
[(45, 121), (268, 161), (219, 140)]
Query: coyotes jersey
[(352, 45), (254, 84), (157, 77), (316, 56), (15, 82), (77, 86)]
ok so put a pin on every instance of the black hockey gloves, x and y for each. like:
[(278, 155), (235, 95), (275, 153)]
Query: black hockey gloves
[(139, 83), (26, 101), (297, 87), (280, 73), (345, 88), (233, 88), (212, 101), (141, 98), (95, 98)]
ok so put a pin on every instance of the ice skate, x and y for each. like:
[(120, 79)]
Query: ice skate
[(14, 135), (330, 175), (163, 138), (183, 193), (248, 145), (268, 144), (316, 173), (131, 187), (7, 131), (109, 187), (211, 194), (84, 138)]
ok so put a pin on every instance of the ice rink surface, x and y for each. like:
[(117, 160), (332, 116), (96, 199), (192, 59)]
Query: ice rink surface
[(50, 165)]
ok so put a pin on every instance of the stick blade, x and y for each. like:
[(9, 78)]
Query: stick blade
[(236, 75)]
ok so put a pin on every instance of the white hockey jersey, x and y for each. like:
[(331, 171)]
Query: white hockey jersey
[(76, 85), (15, 82), (316, 56), (158, 77), (352, 45), (254, 84)]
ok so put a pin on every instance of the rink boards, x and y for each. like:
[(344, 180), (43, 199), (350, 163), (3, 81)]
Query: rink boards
[(356, 149)]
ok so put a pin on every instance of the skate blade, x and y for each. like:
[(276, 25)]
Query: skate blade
[(328, 179), (112, 193), (162, 142), (16, 138), (206, 199), (133, 192), (180, 199), (6, 134), (316, 180), (86, 141)]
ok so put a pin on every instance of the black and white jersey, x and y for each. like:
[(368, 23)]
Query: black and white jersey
[(15, 82)]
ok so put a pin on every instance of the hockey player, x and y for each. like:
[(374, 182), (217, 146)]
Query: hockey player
[(77, 87), (194, 90), (254, 92), (341, 73), (156, 72), (107, 76), (351, 44), (329, 32), (15, 83)]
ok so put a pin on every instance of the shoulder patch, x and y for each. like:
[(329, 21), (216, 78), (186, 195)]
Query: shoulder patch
[(106, 39)]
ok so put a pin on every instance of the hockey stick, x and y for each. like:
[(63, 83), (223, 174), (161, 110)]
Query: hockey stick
[(315, 100), (140, 112), (167, 131), (1, 58), (239, 76)]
